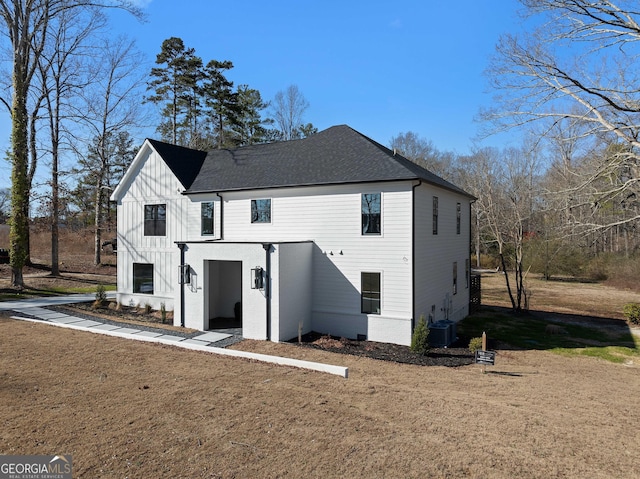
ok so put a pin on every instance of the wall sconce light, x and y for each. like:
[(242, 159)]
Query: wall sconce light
[(257, 278), (184, 276)]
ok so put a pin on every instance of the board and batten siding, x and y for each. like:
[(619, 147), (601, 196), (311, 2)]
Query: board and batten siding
[(436, 254), (330, 216), (153, 183)]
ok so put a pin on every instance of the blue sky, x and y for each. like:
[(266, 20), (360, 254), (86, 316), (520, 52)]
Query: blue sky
[(382, 67)]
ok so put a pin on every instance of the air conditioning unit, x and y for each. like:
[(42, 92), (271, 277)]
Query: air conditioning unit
[(439, 334)]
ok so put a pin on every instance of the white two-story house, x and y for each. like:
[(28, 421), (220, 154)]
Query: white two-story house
[(334, 233)]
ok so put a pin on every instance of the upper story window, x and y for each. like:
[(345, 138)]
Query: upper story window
[(261, 211), (206, 218), (371, 214), (155, 220), (435, 215), (458, 217)]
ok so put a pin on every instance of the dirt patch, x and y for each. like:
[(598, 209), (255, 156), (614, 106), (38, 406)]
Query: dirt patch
[(128, 409)]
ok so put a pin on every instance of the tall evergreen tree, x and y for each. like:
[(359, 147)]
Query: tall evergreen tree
[(175, 87)]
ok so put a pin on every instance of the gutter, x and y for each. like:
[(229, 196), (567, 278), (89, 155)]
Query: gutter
[(413, 256), (182, 247), (267, 287)]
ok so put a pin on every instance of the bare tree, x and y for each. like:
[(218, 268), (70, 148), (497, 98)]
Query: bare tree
[(505, 184), (288, 110), (110, 107), (580, 66), (60, 79), (26, 23)]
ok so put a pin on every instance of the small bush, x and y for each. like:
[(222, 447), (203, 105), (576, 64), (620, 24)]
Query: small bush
[(147, 308), (163, 313), (420, 338), (475, 345), (632, 312), (101, 297)]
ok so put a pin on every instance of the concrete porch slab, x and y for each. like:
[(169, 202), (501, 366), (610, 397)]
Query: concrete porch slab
[(195, 341), (211, 337)]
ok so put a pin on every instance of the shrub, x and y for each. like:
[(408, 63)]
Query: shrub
[(632, 312), (420, 337), (475, 344), (147, 308), (101, 297), (163, 313)]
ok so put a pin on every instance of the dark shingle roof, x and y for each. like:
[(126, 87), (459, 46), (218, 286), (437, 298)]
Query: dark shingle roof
[(185, 163), (337, 155)]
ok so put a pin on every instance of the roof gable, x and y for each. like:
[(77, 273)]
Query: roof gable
[(183, 162), (337, 155)]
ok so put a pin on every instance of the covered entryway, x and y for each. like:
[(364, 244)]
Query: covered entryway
[(223, 295)]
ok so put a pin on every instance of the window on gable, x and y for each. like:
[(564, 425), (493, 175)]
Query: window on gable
[(206, 219), (261, 211), (435, 215), (458, 217), (455, 277), (371, 213), (370, 293), (143, 278), (155, 220)]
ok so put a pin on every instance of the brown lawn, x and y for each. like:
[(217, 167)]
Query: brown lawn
[(138, 410)]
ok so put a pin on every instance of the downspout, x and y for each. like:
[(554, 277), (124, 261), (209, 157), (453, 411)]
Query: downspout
[(221, 216), (182, 247), (413, 256), (267, 287)]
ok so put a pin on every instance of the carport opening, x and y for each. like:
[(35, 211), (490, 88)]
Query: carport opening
[(224, 298)]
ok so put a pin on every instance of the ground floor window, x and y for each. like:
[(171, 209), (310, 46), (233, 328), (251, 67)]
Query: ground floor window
[(143, 278), (455, 277), (370, 293)]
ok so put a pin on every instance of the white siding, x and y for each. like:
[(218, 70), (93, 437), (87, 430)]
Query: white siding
[(435, 254), (292, 296), (319, 254), (152, 183), (331, 217)]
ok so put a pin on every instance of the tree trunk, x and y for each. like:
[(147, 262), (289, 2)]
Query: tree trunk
[(19, 229)]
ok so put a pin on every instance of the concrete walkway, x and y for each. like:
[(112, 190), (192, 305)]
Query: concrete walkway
[(28, 309)]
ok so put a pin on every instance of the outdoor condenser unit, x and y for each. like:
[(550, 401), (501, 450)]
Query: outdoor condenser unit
[(439, 334)]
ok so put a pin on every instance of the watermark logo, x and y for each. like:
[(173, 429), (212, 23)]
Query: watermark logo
[(35, 467)]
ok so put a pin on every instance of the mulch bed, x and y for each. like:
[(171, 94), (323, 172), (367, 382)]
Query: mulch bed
[(454, 356)]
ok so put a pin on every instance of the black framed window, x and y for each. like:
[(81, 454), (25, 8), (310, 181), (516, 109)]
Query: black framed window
[(370, 293), (458, 217), (467, 272), (143, 278), (371, 214), (435, 215), (155, 220), (206, 219), (261, 211), (455, 277)]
